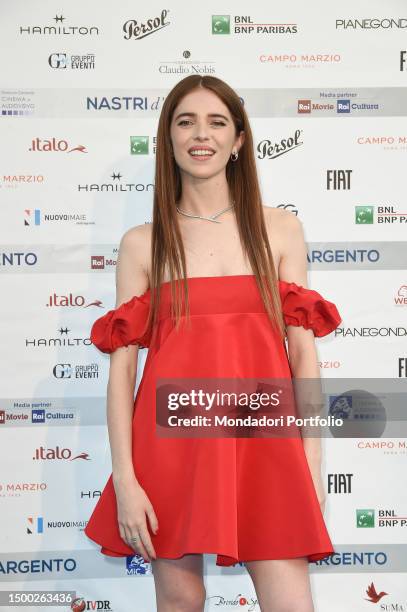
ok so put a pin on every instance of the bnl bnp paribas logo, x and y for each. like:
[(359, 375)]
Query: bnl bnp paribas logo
[(364, 215), (139, 145), (245, 24), (368, 518)]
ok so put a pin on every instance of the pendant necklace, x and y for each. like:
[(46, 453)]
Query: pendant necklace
[(211, 218)]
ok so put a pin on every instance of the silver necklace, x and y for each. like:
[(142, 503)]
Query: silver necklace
[(211, 218)]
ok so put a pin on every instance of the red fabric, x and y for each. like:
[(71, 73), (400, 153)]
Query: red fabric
[(239, 498), (122, 326), (307, 308)]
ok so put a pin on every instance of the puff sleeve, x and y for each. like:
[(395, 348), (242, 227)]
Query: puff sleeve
[(122, 326), (307, 308)]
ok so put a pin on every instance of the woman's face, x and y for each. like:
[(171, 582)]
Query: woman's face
[(201, 121)]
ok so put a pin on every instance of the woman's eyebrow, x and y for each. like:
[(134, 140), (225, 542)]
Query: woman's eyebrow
[(186, 114)]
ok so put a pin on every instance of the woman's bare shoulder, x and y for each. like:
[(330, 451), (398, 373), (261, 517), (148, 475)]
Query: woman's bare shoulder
[(278, 215), (138, 238), (135, 248), (281, 223)]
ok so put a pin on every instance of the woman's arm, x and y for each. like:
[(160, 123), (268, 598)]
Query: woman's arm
[(133, 504), (301, 343), (131, 279)]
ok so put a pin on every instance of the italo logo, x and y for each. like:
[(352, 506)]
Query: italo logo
[(245, 24), (59, 29), (61, 454), (70, 300), (55, 146), (136, 30)]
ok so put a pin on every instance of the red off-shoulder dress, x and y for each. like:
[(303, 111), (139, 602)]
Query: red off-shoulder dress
[(240, 498)]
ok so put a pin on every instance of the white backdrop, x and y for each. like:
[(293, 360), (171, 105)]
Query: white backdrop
[(81, 92)]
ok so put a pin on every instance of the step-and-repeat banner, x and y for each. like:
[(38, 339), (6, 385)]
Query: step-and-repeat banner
[(82, 85)]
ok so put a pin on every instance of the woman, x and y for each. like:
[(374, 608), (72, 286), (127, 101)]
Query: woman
[(173, 499)]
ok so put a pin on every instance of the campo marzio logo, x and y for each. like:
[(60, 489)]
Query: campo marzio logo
[(59, 29), (136, 30)]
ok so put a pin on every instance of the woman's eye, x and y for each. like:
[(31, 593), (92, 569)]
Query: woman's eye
[(183, 121)]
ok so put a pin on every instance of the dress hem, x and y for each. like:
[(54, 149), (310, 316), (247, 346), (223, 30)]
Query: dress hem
[(224, 560)]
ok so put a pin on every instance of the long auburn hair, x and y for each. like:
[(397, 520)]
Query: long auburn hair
[(167, 250)]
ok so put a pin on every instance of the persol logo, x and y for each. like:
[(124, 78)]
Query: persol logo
[(267, 149), (138, 30)]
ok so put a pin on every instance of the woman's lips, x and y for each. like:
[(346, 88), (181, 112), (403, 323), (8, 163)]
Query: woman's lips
[(202, 157)]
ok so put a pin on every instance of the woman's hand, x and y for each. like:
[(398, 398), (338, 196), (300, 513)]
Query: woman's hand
[(132, 507)]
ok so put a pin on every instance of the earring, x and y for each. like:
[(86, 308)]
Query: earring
[(234, 156)]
